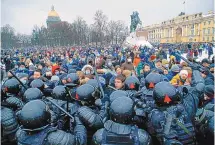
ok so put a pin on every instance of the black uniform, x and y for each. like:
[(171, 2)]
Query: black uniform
[(120, 130), (36, 129)]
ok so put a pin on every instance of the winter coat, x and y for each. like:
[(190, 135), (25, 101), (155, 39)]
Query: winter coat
[(136, 61), (177, 80)]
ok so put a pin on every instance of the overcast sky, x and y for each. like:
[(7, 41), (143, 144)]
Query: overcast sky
[(24, 14)]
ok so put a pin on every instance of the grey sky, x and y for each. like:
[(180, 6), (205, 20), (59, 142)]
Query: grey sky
[(24, 14)]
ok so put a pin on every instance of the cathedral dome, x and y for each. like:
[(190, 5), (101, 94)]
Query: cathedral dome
[(53, 13), (53, 17)]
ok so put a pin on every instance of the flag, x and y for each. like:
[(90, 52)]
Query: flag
[(184, 2)]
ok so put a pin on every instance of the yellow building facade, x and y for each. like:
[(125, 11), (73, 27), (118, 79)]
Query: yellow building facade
[(185, 28)]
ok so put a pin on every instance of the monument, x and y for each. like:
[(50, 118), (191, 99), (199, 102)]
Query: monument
[(134, 40)]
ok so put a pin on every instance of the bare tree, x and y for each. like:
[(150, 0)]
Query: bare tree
[(100, 23)]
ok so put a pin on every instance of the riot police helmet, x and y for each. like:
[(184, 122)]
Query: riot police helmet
[(37, 83), (34, 115), (32, 94), (11, 86), (59, 93), (85, 93), (165, 94), (73, 78), (132, 83), (152, 79), (116, 94), (122, 110)]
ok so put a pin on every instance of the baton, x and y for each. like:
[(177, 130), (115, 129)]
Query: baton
[(61, 109), (18, 80), (100, 86)]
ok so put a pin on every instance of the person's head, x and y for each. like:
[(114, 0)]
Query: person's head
[(183, 74), (126, 73), (209, 92), (129, 60), (204, 73), (40, 67), (37, 74), (146, 68), (158, 64), (118, 69), (175, 69), (22, 66), (205, 62), (119, 81)]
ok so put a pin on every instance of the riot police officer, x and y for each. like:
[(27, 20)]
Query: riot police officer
[(36, 129), (172, 121), (12, 89), (119, 129), (91, 115)]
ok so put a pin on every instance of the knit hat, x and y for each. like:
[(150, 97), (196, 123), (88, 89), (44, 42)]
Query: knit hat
[(164, 61), (205, 60), (209, 91), (183, 72), (152, 57), (55, 78), (175, 68), (31, 67)]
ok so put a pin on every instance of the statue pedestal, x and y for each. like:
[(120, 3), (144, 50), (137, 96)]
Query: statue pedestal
[(132, 40)]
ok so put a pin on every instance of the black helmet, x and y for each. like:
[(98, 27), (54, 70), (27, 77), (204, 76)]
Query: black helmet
[(132, 83), (93, 83), (73, 78), (37, 84), (152, 79), (85, 93), (34, 115), (116, 94), (122, 110), (165, 94), (11, 86), (32, 94), (59, 93)]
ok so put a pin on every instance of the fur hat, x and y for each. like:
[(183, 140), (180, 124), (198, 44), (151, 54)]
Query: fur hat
[(183, 72)]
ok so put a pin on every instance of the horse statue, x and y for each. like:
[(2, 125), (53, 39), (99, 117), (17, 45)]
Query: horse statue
[(135, 20)]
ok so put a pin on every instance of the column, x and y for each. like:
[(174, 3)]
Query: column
[(182, 30), (172, 32)]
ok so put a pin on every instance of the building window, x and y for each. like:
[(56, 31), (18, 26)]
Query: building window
[(208, 39), (203, 38), (204, 31), (192, 30), (209, 22), (213, 30), (212, 38), (208, 30)]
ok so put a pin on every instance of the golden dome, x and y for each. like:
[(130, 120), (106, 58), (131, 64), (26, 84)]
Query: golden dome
[(53, 13)]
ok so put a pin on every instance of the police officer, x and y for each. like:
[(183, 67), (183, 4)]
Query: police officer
[(91, 115), (36, 129), (9, 125), (119, 129), (62, 99), (12, 89), (172, 121)]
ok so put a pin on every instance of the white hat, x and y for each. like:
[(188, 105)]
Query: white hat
[(55, 78), (183, 72)]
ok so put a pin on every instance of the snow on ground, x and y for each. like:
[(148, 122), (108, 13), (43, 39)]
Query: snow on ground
[(204, 55)]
